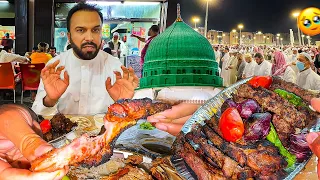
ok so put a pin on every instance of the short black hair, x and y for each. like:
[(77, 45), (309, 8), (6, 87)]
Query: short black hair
[(35, 48), (258, 55), (52, 47), (155, 28), (81, 6)]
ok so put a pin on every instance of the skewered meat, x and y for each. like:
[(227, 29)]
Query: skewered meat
[(93, 151), (259, 158), (231, 150), (229, 167), (274, 103), (203, 170), (278, 83)]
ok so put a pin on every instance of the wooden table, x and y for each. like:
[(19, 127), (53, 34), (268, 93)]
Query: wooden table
[(310, 171)]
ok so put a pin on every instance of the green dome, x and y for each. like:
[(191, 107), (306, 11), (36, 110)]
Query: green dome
[(180, 56)]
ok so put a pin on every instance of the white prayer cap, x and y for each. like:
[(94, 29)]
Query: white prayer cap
[(115, 34), (294, 49), (1, 47), (307, 56)]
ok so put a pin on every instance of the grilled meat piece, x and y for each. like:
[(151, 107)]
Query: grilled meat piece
[(203, 170), (265, 160), (278, 83), (250, 156), (229, 167), (283, 129), (93, 151), (274, 103), (134, 159), (128, 173), (229, 149)]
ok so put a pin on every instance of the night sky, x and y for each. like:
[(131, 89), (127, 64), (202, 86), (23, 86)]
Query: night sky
[(268, 16)]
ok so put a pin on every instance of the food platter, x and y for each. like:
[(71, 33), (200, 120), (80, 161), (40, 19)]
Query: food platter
[(212, 107)]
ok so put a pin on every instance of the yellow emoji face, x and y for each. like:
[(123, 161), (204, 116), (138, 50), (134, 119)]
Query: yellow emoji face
[(309, 21)]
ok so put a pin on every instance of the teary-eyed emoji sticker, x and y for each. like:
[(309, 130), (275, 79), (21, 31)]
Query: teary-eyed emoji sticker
[(309, 21)]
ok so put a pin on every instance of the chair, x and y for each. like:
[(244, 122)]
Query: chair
[(7, 78), (30, 74)]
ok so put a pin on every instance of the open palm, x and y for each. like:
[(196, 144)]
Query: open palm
[(53, 84), (124, 86)]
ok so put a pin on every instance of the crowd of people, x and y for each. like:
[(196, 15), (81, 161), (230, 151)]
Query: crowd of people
[(300, 64)]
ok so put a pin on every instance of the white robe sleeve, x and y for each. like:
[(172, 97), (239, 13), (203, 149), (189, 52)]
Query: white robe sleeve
[(290, 75)]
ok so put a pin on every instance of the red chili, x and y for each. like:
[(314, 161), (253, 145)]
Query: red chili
[(231, 125)]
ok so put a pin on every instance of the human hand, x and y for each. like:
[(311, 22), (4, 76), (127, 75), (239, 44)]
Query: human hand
[(313, 140), (124, 86), (315, 103), (172, 120), (22, 145), (53, 84)]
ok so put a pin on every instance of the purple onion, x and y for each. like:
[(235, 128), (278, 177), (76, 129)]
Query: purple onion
[(299, 146), (257, 126), (247, 108), (227, 104)]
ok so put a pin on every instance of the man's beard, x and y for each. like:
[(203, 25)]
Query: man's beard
[(85, 56)]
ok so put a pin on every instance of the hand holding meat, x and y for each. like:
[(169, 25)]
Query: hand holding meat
[(53, 84), (93, 151), (173, 119), (124, 86), (22, 145)]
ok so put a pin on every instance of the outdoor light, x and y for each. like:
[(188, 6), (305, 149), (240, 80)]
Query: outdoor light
[(278, 35), (223, 34), (281, 39), (240, 26), (295, 14), (308, 37), (254, 37), (259, 32), (234, 30), (243, 36), (264, 37)]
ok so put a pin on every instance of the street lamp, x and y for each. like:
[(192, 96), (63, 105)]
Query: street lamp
[(278, 35), (195, 20), (259, 32), (296, 15), (240, 26), (264, 39), (206, 21), (309, 40), (281, 39), (233, 30), (302, 38)]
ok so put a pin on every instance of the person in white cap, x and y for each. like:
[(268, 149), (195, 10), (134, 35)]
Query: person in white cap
[(224, 72), (292, 60), (115, 45), (307, 78), (250, 66), (232, 67)]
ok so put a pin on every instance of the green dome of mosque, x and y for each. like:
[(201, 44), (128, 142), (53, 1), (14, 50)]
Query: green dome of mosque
[(180, 56)]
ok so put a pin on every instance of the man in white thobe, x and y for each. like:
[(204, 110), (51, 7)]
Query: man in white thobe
[(250, 66), (307, 78), (263, 67), (224, 72)]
